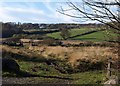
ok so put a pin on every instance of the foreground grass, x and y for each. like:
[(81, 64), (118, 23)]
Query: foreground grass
[(48, 74), (91, 77), (32, 62)]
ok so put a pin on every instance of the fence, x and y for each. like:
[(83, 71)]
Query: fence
[(111, 79)]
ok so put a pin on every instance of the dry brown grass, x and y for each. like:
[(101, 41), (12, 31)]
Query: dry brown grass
[(92, 53), (71, 53)]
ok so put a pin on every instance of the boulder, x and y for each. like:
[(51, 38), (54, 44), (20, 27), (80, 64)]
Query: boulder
[(10, 65)]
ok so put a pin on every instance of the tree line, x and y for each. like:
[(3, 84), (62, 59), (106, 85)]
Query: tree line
[(10, 28)]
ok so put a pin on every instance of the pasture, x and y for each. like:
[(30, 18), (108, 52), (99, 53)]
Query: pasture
[(78, 34)]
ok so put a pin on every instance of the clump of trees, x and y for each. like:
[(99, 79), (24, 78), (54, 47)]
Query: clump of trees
[(28, 26), (8, 29)]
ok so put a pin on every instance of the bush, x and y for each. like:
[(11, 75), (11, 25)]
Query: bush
[(97, 65), (9, 29), (86, 65), (61, 65)]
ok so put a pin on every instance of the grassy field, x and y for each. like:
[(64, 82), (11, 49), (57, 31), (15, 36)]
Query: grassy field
[(48, 74), (72, 32), (96, 36)]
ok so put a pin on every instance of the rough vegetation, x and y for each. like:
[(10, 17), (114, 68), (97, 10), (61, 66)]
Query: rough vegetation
[(64, 61), (60, 62), (75, 56)]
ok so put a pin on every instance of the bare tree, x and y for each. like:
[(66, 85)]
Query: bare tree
[(65, 33), (100, 11)]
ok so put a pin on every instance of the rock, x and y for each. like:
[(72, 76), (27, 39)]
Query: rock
[(10, 65), (112, 81)]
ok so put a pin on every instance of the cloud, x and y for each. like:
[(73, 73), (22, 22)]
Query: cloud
[(31, 12), (5, 17), (35, 0), (54, 16), (23, 10), (110, 0), (20, 13)]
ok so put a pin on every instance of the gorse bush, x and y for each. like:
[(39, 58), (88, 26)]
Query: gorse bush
[(86, 65), (81, 65)]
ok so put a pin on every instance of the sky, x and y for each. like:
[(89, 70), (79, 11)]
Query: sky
[(34, 11)]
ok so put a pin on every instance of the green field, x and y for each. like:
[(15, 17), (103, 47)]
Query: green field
[(47, 74), (96, 36)]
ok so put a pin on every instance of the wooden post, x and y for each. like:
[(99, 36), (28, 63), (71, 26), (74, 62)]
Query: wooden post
[(109, 73), (30, 44), (112, 79)]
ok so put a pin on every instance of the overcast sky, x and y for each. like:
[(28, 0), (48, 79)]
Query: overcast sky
[(34, 11)]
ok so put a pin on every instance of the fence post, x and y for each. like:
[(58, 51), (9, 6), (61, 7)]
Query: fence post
[(112, 79), (109, 72)]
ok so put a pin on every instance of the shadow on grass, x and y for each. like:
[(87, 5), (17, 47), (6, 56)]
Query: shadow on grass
[(84, 39), (86, 33), (21, 74)]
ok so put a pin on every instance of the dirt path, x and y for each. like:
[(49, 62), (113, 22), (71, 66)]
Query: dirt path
[(32, 80)]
